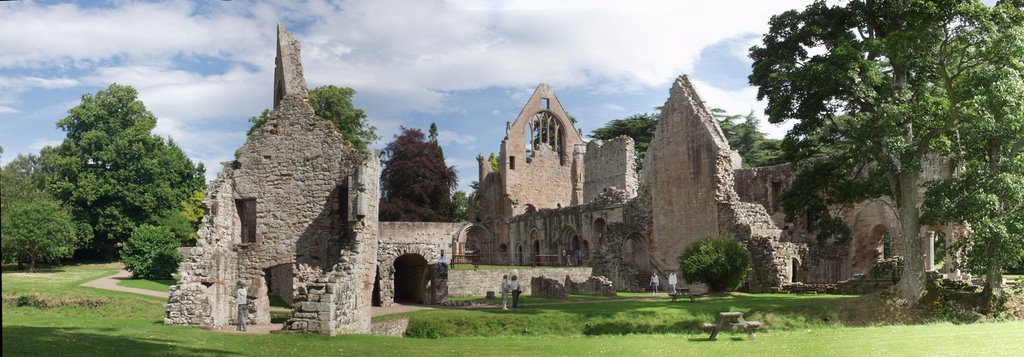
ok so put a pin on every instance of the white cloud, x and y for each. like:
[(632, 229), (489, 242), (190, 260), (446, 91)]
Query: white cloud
[(742, 101), (446, 137), (614, 107), (7, 110), (39, 144)]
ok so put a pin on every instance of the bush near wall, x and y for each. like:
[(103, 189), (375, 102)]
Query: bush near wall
[(151, 253), (720, 262)]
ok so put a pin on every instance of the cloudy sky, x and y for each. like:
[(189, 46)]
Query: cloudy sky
[(203, 68)]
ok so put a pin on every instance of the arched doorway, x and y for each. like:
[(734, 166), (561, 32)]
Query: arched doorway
[(633, 251), (598, 228), (870, 248), (411, 278), (519, 254)]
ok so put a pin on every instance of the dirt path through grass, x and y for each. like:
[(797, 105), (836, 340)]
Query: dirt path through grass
[(110, 283)]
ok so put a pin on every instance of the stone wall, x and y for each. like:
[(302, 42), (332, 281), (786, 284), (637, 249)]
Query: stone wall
[(297, 196), (771, 262), (541, 286), (479, 282), (594, 285), (423, 239), (610, 165), (687, 168)]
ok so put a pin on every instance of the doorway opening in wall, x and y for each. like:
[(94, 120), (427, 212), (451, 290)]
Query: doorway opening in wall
[(375, 299), (519, 254), (277, 284), (796, 275), (411, 278)]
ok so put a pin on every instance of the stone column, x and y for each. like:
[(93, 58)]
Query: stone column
[(929, 248)]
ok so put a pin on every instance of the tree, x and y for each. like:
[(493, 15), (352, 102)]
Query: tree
[(37, 231), (989, 194), (720, 262), (874, 81), (640, 127), (334, 104), (745, 137), (415, 183), (460, 207), (151, 252), (112, 172), (493, 161)]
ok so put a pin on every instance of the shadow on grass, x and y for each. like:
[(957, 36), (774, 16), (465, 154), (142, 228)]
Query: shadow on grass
[(51, 341)]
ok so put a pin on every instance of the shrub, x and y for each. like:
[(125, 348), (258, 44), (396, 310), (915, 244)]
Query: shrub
[(151, 253), (720, 262)]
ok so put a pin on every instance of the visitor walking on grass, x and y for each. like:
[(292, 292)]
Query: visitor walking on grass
[(505, 287), (242, 300), (654, 283), (514, 286), (672, 281)]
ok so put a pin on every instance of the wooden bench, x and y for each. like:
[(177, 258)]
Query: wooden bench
[(734, 320), (682, 292)]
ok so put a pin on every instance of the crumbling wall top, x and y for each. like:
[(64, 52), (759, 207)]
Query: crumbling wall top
[(288, 77)]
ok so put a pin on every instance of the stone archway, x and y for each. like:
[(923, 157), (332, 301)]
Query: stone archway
[(869, 248), (411, 278)]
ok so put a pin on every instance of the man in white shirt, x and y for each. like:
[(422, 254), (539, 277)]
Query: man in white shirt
[(242, 300)]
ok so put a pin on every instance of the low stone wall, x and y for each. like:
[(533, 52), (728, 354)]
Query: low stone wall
[(541, 286), (478, 282), (884, 274), (594, 285)]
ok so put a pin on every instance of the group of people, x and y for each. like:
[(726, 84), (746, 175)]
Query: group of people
[(569, 258), (672, 281), (508, 287)]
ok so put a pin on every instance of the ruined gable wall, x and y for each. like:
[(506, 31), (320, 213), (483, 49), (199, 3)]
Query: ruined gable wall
[(683, 170), (545, 182), (609, 164)]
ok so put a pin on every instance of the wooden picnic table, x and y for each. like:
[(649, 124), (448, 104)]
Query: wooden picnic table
[(734, 320), (682, 292)]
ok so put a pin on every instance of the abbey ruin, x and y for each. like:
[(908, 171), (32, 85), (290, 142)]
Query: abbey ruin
[(296, 215)]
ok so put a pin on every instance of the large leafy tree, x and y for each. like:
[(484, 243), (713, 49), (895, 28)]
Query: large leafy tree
[(112, 172), (335, 105), (415, 183), (35, 227), (876, 83), (744, 137), (989, 194), (37, 231)]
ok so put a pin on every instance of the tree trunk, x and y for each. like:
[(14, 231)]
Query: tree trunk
[(911, 285), (994, 286), (31, 264)]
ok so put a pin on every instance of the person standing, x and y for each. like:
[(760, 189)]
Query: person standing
[(505, 287), (514, 286), (442, 264), (241, 298), (672, 281), (654, 283)]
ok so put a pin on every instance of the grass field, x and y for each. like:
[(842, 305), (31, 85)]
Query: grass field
[(155, 285), (131, 325)]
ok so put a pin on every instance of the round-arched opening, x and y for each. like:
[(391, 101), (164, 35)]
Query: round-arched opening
[(633, 252), (869, 248), (598, 227), (411, 277)]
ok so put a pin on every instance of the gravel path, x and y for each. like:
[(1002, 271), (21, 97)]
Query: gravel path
[(110, 283)]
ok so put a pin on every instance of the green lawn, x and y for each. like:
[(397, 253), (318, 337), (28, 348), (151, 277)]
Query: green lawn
[(497, 300), (131, 325)]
